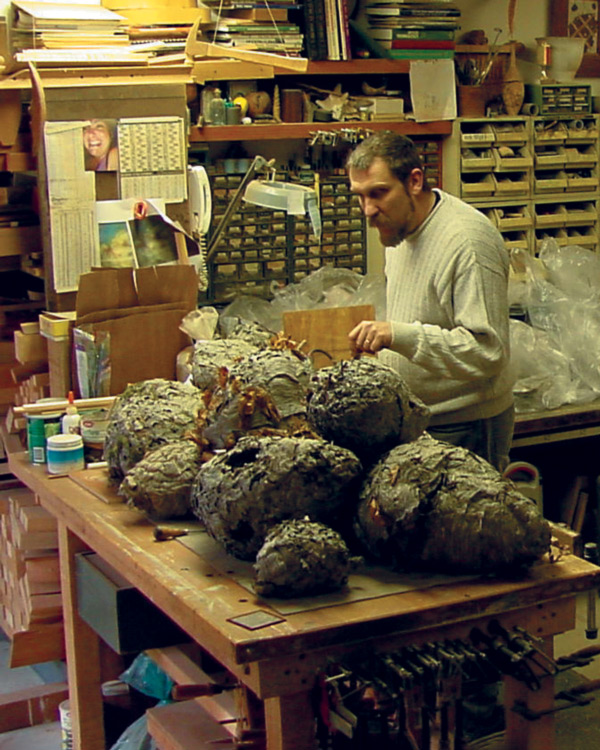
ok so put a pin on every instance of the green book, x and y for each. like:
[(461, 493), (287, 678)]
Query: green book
[(420, 54), (406, 33)]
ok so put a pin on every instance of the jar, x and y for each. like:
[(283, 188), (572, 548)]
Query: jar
[(217, 109), (64, 453)]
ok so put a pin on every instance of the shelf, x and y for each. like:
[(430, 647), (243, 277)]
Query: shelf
[(289, 130), (371, 66)]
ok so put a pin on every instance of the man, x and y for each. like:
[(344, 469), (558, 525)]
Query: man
[(446, 268)]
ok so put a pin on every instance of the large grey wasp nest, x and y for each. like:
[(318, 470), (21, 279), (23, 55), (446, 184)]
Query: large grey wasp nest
[(431, 505), (266, 389), (210, 357), (240, 494), (299, 558), (160, 484), (365, 406), (146, 415)]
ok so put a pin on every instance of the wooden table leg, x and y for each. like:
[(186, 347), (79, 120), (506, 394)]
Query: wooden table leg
[(290, 722), (83, 654), (522, 733)]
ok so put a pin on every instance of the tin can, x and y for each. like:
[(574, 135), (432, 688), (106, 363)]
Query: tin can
[(39, 428)]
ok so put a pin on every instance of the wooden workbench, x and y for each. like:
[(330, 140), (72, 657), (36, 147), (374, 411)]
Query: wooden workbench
[(568, 422), (279, 661)]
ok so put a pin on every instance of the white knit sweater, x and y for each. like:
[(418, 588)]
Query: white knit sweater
[(447, 304)]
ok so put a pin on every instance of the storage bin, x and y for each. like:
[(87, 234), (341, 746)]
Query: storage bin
[(119, 613)]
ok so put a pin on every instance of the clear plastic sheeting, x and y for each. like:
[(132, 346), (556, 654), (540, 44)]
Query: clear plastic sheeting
[(555, 354), (326, 287)]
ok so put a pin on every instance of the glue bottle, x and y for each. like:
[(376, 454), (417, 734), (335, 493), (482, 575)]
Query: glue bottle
[(71, 421)]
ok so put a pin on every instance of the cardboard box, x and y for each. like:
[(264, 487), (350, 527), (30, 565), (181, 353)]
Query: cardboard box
[(29, 347), (59, 366), (141, 310), (56, 325)]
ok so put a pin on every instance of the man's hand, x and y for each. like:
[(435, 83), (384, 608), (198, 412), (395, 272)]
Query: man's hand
[(370, 336)]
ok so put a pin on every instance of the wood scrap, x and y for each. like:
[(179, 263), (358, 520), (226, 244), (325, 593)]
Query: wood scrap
[(31, 592)]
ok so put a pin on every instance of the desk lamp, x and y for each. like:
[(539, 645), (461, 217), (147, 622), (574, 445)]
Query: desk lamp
[(280, 196)]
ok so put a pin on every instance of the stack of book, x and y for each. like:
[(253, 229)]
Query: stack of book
[(37, 27), (413, 29), (254, 25), (326, 29)]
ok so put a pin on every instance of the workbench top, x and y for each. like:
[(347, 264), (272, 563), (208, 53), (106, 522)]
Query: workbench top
[(203, 600)]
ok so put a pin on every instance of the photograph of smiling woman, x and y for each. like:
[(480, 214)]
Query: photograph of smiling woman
[(100, 145)]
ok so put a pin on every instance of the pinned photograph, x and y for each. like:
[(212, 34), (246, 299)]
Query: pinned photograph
[(135, 234), (100, 145)]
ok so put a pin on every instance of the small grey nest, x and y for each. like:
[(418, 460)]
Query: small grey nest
[(209, 357), (300, 558), (266, 389), (240, 494), (248, 330), (148, 414), (365, 406), (431, 505), (160, 484)]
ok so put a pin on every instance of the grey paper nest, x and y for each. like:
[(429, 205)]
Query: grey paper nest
[(266, 389), (364, 406), (301, 558), (210, 357), (430, 505), (242, 493), (148, 414), (160, 484)]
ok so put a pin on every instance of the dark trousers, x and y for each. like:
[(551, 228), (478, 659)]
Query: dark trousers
[(489, 438)]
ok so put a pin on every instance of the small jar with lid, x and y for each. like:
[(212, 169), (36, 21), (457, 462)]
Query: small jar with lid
[(64, 453)]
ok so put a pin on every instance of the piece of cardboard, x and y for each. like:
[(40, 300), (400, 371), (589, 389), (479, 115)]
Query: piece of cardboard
[(59, 366), (29, 347), (324, 331), (141, 309)]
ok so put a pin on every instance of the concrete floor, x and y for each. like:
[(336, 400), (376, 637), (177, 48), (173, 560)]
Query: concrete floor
[(48, 736), (44, 736)]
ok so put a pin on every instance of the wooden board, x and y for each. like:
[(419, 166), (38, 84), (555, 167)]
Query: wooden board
[(31, 706), (178, 726), (326, 330), (41, 643), (96, 482)]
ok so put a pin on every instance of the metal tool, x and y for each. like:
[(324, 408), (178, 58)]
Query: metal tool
[(590, 553), (571, 698)]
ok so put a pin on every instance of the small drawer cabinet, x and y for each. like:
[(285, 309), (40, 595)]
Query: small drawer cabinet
[(533, 177)]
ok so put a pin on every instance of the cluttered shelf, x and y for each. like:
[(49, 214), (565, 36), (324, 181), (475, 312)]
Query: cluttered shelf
[(290, 130)]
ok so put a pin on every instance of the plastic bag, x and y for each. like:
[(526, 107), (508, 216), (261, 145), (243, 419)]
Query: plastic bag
[(566, 305), (136, 737), (572, 269), (147, 677), (201, 323), (544, 377), (325, 287)]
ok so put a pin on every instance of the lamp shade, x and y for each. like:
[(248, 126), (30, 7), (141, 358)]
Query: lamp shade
[(280, 196), (284, 196)]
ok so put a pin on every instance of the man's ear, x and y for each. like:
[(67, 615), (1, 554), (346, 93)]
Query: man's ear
[(414, 183)]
